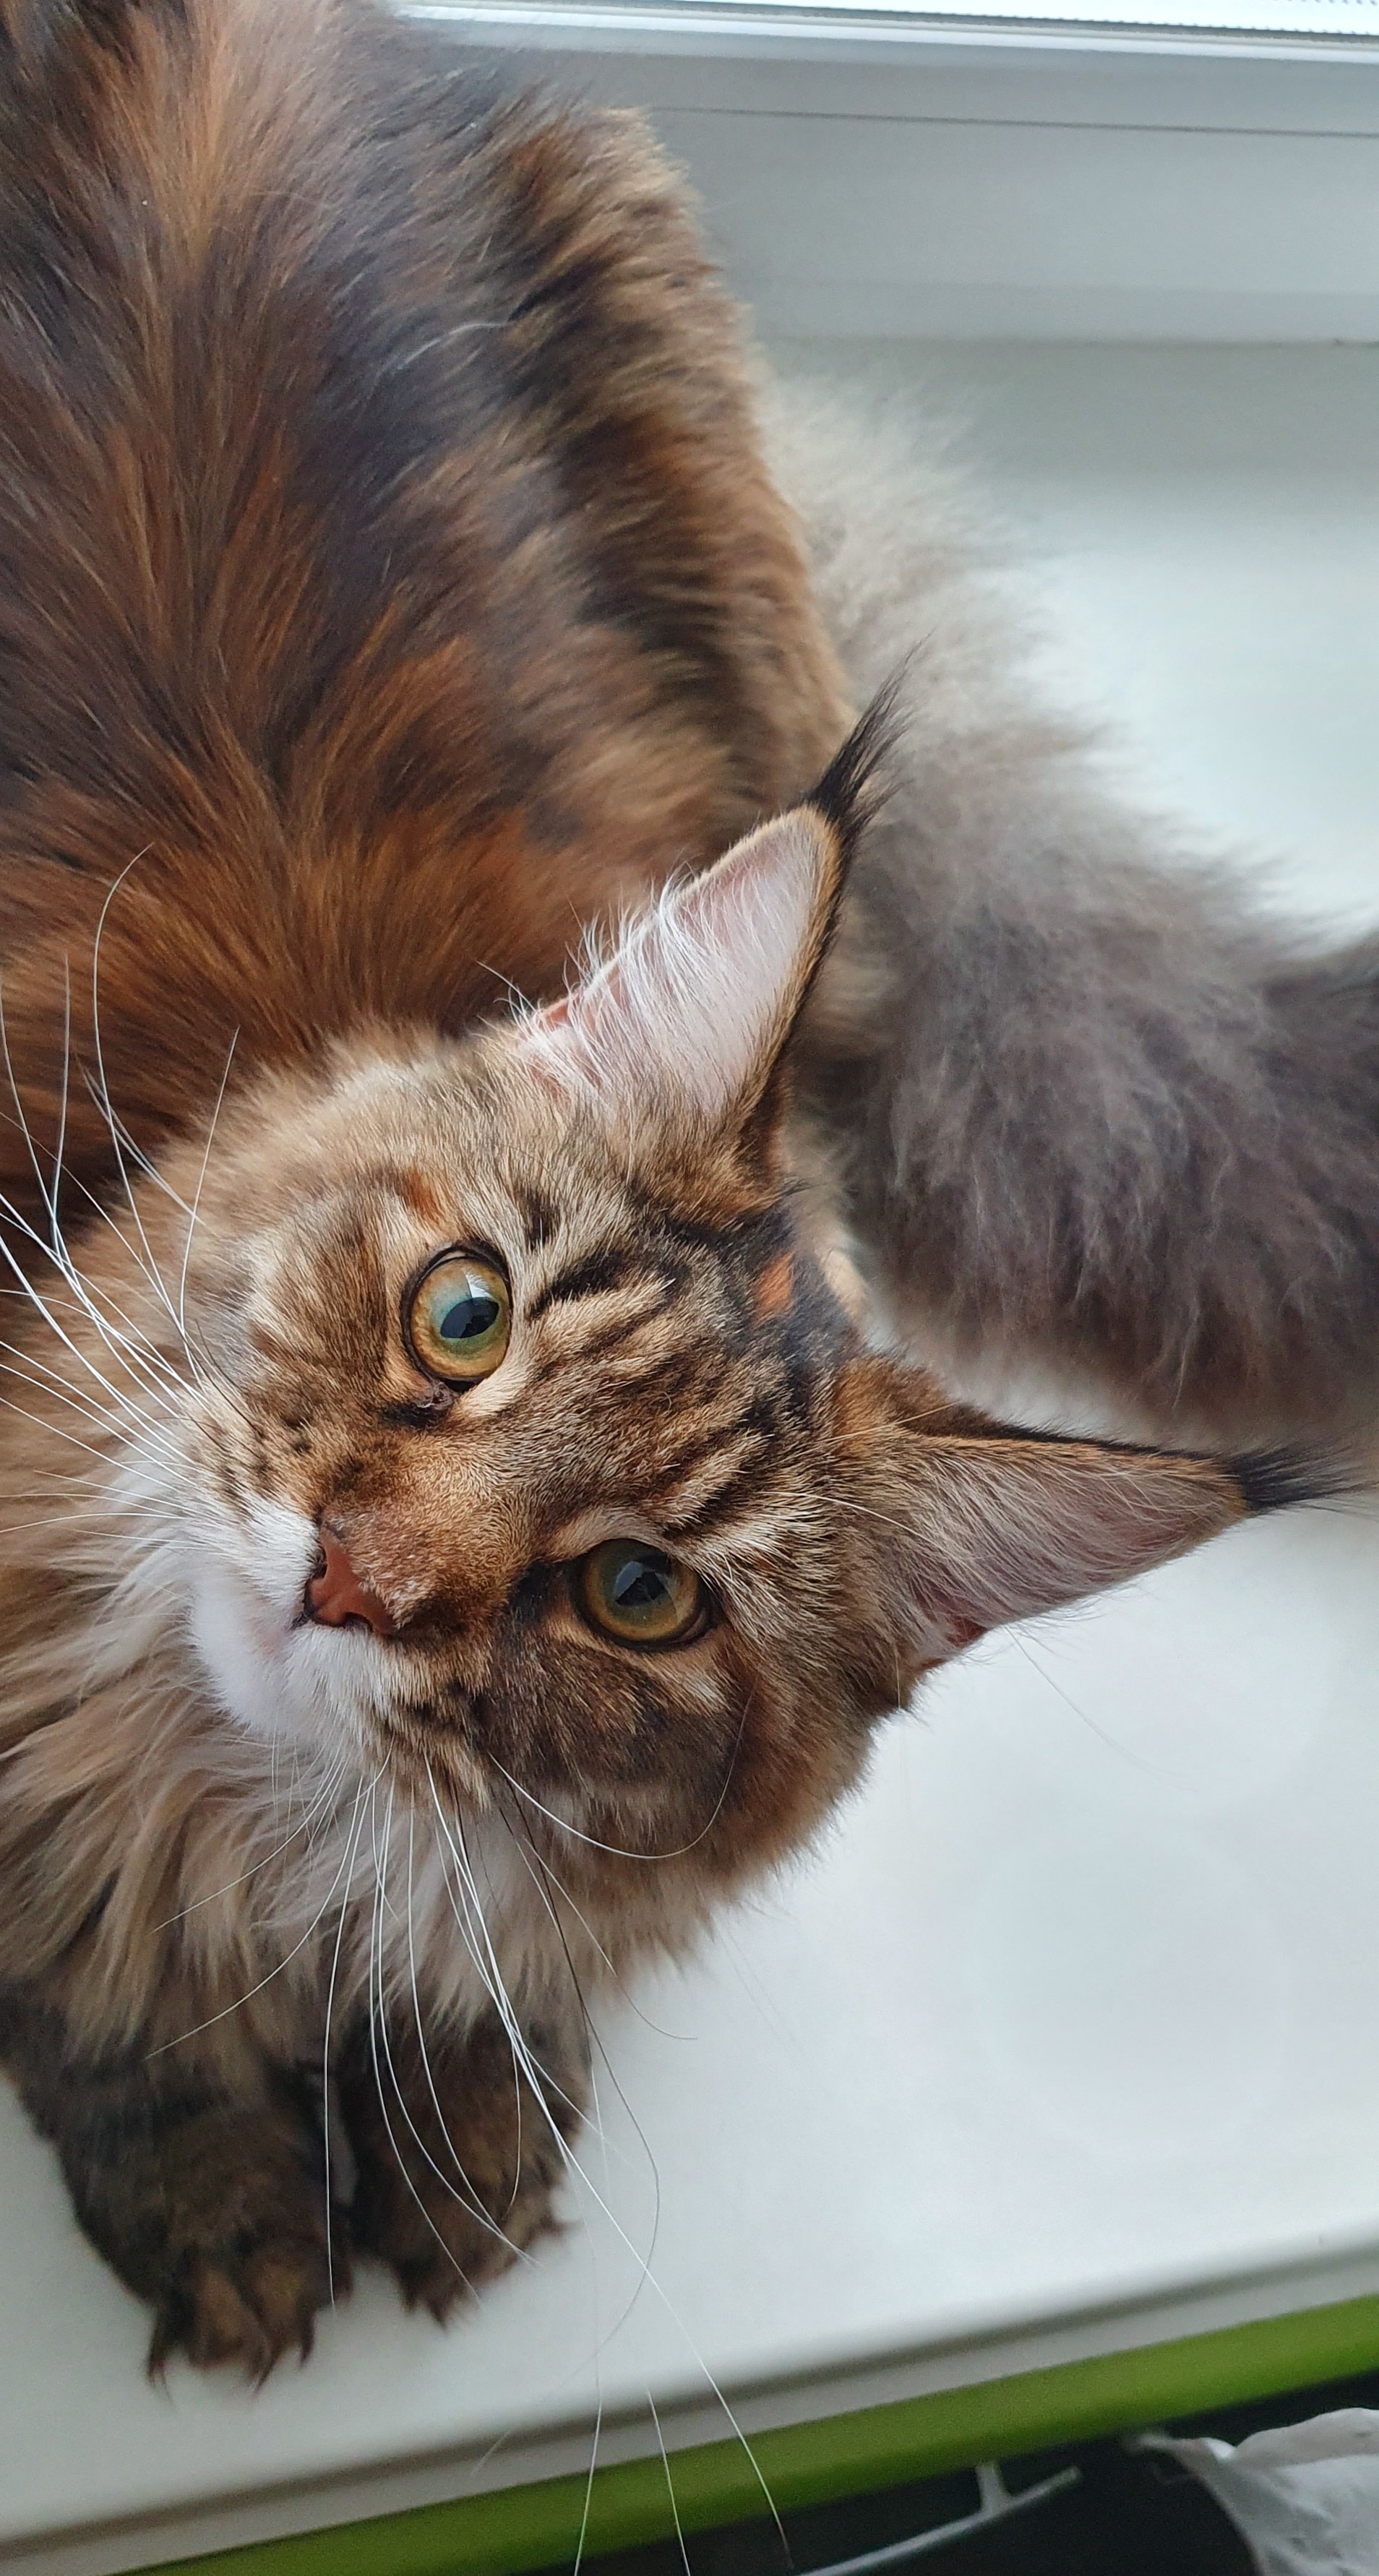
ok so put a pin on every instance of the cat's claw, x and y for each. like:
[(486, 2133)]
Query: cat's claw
[(246, 2310), (441, 2255), (248, 2257)]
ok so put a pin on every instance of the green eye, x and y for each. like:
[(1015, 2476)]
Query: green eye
[(634, 1593), (459, 1321)]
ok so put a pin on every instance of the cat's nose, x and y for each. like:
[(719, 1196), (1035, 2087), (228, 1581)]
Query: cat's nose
[(338, 1599)]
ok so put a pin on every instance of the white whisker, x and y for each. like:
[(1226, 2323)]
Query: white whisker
[(318, 1807), (589, 2481), (378, 2029), (347, 1865), (52, 1430), (152, 1277), (50, 1382), (469, 2198), (574, 2167), (135, 1151), (284, 1962), (670, 2484), (103, 1096), (83, 1360), (61, 1146), (200, 1185), (25, 1129), (616, 1850), (497, 1988)]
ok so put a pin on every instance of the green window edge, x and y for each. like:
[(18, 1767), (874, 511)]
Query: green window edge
[(519, 2528)]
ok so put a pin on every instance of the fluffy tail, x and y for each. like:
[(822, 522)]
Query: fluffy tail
[(1089, 1101)]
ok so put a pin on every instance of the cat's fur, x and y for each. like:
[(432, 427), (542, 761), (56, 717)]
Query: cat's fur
[(379, 482), (391, 589)]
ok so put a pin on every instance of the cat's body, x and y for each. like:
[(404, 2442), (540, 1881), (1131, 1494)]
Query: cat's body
[(454, 1526), (381, 484)]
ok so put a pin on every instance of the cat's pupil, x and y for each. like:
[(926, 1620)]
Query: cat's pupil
[(468, 1318), (638, 1584)]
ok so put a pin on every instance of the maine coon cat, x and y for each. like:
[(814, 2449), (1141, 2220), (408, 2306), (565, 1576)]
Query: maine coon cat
[(459, 1517)]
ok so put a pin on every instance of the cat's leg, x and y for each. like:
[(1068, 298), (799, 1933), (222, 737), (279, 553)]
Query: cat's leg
[(457, 2157), (208, 2204)]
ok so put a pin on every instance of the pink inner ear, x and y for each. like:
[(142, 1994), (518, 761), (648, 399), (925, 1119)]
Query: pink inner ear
[(694, 1002)]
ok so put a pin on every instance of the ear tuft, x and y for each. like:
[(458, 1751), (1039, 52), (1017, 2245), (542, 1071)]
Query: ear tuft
[(1271, 1480), (854, 787)]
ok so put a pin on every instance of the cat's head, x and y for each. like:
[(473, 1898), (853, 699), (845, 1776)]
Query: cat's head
[(533, 1448)]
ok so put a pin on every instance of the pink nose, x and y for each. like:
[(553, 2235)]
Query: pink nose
[(337, 1597)]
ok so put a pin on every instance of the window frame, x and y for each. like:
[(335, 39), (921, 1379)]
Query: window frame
[(993, 182)]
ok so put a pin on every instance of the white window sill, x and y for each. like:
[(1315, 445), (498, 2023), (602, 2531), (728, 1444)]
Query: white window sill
[(777, 28), (885, 174)]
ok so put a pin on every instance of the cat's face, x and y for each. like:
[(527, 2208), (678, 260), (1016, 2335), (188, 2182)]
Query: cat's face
[(516, 1451), (533, 1456)]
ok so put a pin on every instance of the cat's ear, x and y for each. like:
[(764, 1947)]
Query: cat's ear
[(973, 1527), (698, 998)]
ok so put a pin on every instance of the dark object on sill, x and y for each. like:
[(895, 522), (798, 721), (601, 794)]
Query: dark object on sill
[(1130, 2514)]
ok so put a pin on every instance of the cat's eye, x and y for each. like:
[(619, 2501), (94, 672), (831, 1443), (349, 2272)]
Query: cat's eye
[(640, 1596), (459, 1318)]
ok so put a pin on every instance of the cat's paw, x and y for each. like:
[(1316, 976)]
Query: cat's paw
[(436, 2235), (244, 2306), (245, 2260), (457, 2185)]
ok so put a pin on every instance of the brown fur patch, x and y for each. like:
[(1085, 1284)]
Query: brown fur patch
[(386, 545), (773, 1289)]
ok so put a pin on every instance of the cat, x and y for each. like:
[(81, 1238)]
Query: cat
[(460, 1516)]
